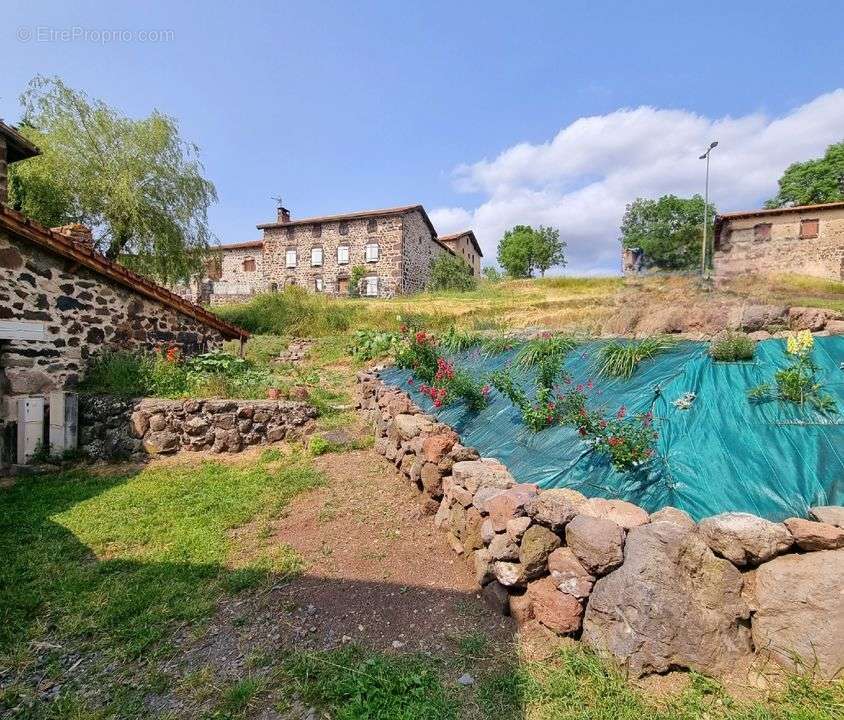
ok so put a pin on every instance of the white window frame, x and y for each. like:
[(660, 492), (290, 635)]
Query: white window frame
[(345, 249), (372, 252), (318, 284), (316, 261), (287, 256), (370, 284)]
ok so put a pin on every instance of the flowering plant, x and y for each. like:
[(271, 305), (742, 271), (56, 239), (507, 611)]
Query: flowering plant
[(418, 352), (797, 383), (628, 440)]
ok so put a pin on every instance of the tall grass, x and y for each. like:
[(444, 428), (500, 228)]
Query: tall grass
[(620, 359)]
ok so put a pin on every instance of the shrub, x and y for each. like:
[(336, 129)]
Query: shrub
[(492, 274), (371, 344), (449, 272), (797, 383), (418, 352), (451, 385), (732, 347), (355, 276), (117, 372), (620, 359)]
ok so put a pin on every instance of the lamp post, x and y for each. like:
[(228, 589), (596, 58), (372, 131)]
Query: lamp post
[(705, 156)]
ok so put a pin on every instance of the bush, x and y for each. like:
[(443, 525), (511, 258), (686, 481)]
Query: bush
[(355, 277), (732, 347), (292, 312), (492, 274), (449, 272), (371, 344)]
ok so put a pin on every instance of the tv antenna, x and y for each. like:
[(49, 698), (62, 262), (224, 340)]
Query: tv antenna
[(278, 201)]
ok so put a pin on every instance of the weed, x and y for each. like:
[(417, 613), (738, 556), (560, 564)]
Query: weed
[(732, 347), (620, 359)]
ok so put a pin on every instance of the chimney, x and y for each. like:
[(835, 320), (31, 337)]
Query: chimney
[(283, 214), (79, 233)]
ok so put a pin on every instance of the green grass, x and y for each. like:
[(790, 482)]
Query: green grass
[(732, 347), (114, 562), (621, 358)]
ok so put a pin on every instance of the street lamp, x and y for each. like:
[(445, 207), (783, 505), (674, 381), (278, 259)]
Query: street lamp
[(705, 156)]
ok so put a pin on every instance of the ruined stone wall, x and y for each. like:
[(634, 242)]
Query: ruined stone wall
[(740, 252), (82, 313), (656, 592), (418, 252), (112, 427), (386, 231)]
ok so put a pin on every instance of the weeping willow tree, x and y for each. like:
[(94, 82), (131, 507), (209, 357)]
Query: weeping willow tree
[(135, 183)]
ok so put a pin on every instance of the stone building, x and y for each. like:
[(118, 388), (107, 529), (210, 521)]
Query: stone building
[(806, 240), (395, 246), (465, 245), (61, 302)]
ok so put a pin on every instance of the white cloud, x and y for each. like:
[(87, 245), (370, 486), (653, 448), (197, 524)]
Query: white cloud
[(581, 180)]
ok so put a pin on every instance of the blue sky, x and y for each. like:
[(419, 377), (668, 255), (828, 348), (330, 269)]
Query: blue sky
[(487, 113)]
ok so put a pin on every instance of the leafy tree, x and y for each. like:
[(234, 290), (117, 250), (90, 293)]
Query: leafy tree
[(449, 272), (136, 183), (820, 180), (668, 230), (355, 277), (548, 249), (523, 250)]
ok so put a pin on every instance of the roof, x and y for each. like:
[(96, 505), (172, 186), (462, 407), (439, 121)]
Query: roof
[(17, 146), (249, 244), (766, 212), (18, 224), (401, 210), (456, 236)]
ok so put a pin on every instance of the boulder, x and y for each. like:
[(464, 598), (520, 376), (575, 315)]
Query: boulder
[(835, 327), (483, 496), (138, 424), (597, 543), (483, 567), (509, 504), (436, 447), (554, 508), (510, 574), (430, 476), (164, 441), (537, 544), (832, 514), (408, 426), (503, 548), (556, 610), (516, 528), (757, 317), (196, 426), (673, 515), (800, 610), (157, 422), (521, 608), (758, 335), (473, 474), (810, 536), (487, 531), (806, 318), (621, 512), (471, 536), (672, 604), (744, 539), (568, 573)]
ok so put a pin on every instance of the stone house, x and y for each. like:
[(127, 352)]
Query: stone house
[(395, 246), (61, 302), (807, 240), (465, 245)]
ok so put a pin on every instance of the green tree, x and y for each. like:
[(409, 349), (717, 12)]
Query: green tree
[(820, 180), (355, 277), (548, 249), (449, 272), (492, 274), (136, 183), (524, 249), (668, 230)]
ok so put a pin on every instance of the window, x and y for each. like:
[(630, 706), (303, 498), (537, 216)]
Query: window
[(249, 265), (273, 287), (318, 284), (372, 225), (316, 257), (370, 288), (809, 228), (342, 254), (343, 286), (316, 230), (371, 252), (344, 228), (762, 231), (290, 259)]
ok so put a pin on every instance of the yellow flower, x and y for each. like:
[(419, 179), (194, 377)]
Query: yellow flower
[(800, 343)]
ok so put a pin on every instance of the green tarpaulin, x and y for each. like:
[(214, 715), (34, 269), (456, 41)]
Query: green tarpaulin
[(774, 459)]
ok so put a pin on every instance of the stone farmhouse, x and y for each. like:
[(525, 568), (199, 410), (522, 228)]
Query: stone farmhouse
[(395, 246), (807, 239), (60, 303)]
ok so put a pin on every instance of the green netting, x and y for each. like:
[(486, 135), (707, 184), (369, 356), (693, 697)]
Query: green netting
[(773, 459)]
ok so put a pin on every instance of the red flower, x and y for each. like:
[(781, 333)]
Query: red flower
[(615, 441), (582, 431), (590, 384), (410, 381), (647, 418), (485, 390), (438, 403), (602, 424), (579, 388), (403, 328), (622, 411)]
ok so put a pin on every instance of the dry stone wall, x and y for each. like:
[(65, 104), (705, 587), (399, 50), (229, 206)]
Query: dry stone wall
[(656, 591), (115, 427)]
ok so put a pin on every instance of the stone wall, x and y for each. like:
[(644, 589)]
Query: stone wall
[(418, 252), (112, 427), (83, 313), (232, 272), (656, 592), (739, 251), (387, 232)]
